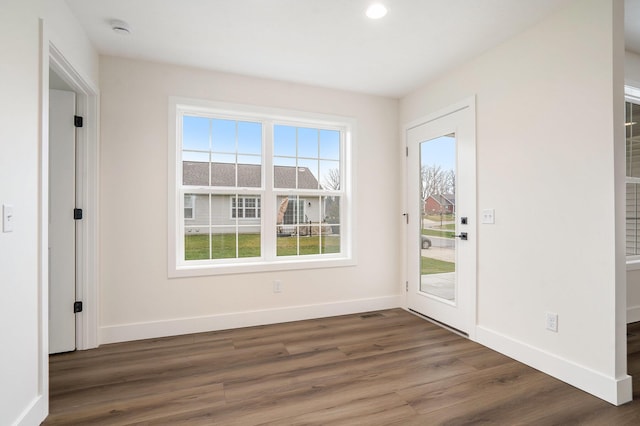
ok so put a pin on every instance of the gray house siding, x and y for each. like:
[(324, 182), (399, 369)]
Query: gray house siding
[(199, 220)]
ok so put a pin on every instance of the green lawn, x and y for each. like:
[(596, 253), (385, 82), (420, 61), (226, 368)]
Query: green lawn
[(286, 246), (438, 233), (437, 218), (223, 246), (434, 266)]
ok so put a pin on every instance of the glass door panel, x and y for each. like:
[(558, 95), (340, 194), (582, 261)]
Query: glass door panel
[(438, 217)]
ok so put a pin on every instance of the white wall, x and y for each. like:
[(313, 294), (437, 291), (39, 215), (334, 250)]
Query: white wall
[(545, 154), (19, 359), (23, 359), (137, 298)]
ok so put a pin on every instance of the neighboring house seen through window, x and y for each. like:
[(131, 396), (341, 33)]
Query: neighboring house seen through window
[(189, 206), (245, 207), (259, 190)]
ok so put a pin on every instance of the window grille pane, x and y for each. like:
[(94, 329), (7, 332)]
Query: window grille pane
[(284, 141), (330, 175), (307, 142), (632, 127), (632, 228), (223, 136), (197, 244), (249, 242), (189, 206), (329, 144), (249, 138), (308, 225), (223, 244), (195, 133)]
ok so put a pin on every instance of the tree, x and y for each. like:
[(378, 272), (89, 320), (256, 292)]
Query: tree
[(435, 181), (332, 204), (332, 179), (450, 182)]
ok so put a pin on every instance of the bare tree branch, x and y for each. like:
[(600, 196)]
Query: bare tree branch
[(435, 181), (332, 179)]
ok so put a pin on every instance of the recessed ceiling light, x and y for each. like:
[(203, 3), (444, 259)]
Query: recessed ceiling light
[(120, 27), (376, 11)]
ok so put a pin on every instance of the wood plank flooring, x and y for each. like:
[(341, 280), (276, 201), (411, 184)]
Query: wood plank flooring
[(380, 368)]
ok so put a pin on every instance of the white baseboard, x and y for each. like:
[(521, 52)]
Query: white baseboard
[(173, 327), (614, 390), (633, 314), (35, 413)]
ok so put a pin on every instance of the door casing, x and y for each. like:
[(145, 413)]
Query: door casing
[(467, 252)]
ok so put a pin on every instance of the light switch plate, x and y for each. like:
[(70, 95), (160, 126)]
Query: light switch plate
[(489, 216), (7, 218)]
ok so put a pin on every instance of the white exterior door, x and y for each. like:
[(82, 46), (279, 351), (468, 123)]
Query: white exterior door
[(62, 227), (442, 220)]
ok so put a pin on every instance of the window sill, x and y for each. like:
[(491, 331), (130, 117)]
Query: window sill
[(633, 264), (258, 266)]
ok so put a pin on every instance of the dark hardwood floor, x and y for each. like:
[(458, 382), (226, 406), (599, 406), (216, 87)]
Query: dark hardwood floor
[(388, 367)]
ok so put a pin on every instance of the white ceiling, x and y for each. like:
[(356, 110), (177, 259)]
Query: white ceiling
[(327, 43)]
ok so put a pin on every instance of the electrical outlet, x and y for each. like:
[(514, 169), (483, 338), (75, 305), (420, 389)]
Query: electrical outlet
[(277, 286), (551, 321)]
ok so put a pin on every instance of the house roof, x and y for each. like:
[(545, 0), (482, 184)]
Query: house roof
[(224, 174), (444, 199)]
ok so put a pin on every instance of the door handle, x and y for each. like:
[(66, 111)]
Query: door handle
[(462, 236)]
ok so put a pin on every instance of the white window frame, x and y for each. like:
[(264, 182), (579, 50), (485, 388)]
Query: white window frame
[(268, 261), (631, 95)]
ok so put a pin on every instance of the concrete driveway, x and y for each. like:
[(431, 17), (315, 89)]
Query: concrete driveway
[(447, 254)]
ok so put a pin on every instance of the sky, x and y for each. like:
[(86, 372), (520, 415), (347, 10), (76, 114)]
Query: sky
[(440, 151), (316, 149)]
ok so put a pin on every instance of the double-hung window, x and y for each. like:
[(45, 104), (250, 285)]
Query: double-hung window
[(256, 189), (632, 139)]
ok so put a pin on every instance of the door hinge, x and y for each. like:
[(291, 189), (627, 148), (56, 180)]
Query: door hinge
[(406, 286), (406, 151), (77, 214), (406, 215), (77, 307), (77, 121)]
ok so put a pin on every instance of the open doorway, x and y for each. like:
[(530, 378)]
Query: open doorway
[(78, 163), (63, 304)]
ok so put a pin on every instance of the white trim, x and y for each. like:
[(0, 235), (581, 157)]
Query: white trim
[(469, 163), (633, 314), (615, 390), (173, 327), (39, 408), (632, 94), (268, 261), (633, 263), (87, 196), (35, 413)]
